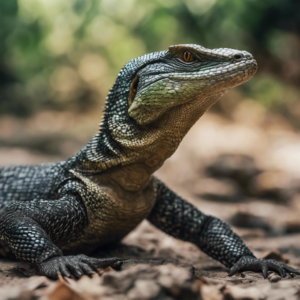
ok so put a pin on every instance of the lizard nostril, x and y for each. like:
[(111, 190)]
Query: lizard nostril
[(237, 57)]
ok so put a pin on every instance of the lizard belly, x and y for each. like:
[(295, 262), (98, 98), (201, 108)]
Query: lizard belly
[(113, 213)]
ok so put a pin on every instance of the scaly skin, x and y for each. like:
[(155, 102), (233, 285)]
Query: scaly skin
[(103, 192)]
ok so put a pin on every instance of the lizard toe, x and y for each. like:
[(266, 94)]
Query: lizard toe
[(254, 264), (75, 270), (87, 269), (281, 268), (98, 263), (64, 271), (264, 269), (76, 266)]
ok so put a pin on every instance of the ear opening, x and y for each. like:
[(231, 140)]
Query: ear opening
[(133, 90)]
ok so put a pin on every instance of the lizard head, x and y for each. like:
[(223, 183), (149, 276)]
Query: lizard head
[(157, 97), (187, 78)]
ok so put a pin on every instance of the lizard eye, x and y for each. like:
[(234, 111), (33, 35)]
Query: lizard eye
[(133, 90), (188, 56)]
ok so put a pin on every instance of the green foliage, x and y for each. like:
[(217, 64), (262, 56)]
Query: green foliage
[(66, 54)]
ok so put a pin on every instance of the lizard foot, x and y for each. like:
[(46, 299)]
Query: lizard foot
[(76, 266), (249, 263)]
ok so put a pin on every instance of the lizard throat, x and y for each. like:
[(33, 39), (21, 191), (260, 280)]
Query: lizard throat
[(124, 143)]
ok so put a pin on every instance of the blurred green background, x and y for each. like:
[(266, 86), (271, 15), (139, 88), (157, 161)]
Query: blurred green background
[(64, 55)]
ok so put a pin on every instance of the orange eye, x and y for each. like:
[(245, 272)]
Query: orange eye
[(188, 56)]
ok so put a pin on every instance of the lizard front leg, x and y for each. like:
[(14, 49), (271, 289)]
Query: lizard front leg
[(182, 220), (31, 229)]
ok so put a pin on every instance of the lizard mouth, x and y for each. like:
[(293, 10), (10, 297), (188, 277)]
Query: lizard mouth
[(240, 73)]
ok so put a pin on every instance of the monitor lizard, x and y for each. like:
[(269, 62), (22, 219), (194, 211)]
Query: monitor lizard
[(53, 215)]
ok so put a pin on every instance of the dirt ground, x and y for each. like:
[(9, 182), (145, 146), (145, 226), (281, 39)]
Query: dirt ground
[(244, 170)]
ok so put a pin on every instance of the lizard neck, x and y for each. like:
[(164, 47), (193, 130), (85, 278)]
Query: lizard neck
[(121, 142), (106, 149)]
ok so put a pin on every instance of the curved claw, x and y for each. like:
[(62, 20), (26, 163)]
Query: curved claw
[(249, 263), (235, 269), (291, 270), (264, 270), (75, 266)]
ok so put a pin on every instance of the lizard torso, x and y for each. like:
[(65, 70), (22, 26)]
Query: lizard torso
[(112, 211)]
